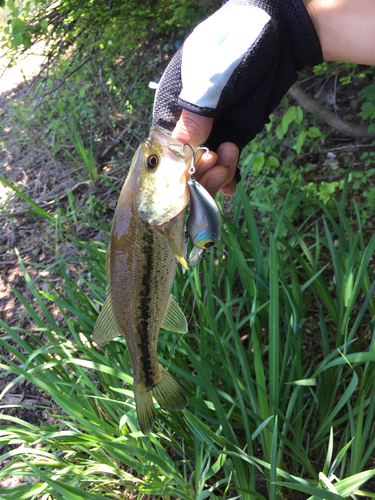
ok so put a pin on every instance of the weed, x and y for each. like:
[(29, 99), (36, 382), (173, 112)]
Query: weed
[(252, 384)]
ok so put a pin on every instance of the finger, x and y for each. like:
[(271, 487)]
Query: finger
[(211, 174), (192, 129), (228, 157), (204, 163), (229, 189), (214, 179), (228, 154)]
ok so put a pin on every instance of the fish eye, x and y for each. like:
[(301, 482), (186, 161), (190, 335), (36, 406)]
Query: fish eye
[(209, 244), (152, 161)]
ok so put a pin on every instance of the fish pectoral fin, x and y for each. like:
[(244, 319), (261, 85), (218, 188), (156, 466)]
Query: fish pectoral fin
[(168, 393), (146, 413), (105, 328), (178, 252), (174, 319)]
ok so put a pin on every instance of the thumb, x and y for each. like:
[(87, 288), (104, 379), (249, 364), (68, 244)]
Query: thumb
[(192, 129)]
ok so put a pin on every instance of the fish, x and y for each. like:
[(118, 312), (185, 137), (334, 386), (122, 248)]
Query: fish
[(147, 241)]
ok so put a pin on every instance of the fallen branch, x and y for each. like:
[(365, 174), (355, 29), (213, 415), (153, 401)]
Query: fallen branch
[(318, 109)]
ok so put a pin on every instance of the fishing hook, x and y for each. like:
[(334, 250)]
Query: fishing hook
[(193, 158)]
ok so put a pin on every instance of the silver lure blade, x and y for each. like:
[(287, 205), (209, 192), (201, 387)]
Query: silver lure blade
[(195, 255)]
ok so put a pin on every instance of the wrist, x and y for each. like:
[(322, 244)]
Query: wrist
[(344, 28)]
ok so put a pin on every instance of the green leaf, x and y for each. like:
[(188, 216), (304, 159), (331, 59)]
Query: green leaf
[(258, 163), (288, 118), (26, 39), (314, 132), (279, 132), (17, 40), (44, 24), (272, 161), (369, 92), (17, 25), (38, 210), (299, 115), (348, 288), (302, 134), (308, 382)]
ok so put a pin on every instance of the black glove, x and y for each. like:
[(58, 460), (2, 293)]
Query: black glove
[(236, 66)]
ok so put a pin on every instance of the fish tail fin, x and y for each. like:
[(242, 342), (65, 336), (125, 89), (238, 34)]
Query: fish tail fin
[(145, 408), (168, 393)]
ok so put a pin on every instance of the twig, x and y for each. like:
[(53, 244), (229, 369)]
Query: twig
[(116, 141), (319, 110), (328, 177), (352, 146), (67, 76)]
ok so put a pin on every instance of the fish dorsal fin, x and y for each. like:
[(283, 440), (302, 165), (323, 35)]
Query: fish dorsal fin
[(105, 328), (174, 319)]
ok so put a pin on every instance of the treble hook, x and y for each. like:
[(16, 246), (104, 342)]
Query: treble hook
[(193, 158)]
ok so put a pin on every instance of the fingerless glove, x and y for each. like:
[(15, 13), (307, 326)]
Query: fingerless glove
[(236, 66)]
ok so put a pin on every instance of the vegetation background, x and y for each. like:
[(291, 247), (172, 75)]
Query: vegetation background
[(279, 359)]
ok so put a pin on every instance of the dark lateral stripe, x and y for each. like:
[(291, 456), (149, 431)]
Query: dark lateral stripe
[(145, 308)]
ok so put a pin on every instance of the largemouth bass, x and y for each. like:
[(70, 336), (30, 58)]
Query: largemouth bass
[(146, 239)]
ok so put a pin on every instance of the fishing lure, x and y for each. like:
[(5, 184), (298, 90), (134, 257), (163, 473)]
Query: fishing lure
[(203, 225)]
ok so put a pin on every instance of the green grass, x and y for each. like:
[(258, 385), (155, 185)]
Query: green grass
[(278, 366)]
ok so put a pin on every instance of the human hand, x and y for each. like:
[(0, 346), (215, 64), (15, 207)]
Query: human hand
[(234, 68), (215, 171)]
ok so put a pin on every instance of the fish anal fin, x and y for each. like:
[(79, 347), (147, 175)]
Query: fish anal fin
[(105, 328), (174, 319), (168, 393), (146, 413)]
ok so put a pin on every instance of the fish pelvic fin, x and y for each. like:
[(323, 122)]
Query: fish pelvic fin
[(145, 408), (174, 319), (168, 393), (105, 328)]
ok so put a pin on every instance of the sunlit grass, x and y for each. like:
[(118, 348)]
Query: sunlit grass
[(278, 366)]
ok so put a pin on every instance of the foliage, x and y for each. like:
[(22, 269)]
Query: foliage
[(252, 384), (279, 159), (368, 107), (109, 53), (113, 27), (270, 159), (86, 154), (345, 72)]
